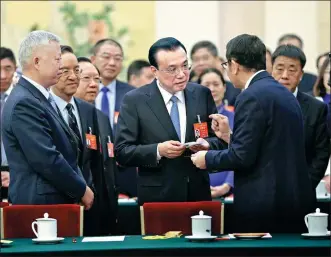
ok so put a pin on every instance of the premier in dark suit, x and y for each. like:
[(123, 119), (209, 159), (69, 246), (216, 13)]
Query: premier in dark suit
[(143, 123), (41, 153), (317, 138), (272, 187)]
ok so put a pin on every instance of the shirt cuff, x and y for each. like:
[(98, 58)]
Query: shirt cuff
[(158, 156)]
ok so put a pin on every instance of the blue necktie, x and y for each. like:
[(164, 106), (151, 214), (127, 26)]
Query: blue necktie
[(52, 102), (174, 115), (105, 101)]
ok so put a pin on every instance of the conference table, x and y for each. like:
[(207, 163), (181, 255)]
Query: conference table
[(278, 245), (129, 215)]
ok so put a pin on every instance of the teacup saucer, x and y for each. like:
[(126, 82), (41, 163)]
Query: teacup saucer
[(48, 240), (200, 238), (328, 234)]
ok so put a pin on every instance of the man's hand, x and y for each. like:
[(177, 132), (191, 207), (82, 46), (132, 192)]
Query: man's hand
[(171, 149), (5, 178), (327, 183), (219, 190), (88, 198), (199, 160), (221, 127), (202, 145)]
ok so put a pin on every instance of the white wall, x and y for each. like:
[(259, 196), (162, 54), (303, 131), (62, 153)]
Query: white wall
[(188, 21)]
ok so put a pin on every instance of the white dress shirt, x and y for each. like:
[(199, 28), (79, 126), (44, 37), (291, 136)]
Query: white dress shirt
[(111, 100), (43, 90), (251, 78), (295, 93), (61, 104)]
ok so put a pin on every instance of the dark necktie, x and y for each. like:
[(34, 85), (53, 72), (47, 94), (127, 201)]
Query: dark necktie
[(72, 121), (105, 101), (174, 115)]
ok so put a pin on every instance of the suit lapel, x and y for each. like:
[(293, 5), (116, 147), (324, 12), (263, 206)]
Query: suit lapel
[(191, 115), (303, 104), (157, 106), (83, 120), (37, 94)]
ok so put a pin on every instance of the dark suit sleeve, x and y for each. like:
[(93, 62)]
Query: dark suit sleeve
[(246, 139), (127, 149), (322, 151), (34, 134)]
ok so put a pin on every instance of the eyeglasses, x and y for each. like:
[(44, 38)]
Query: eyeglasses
[(225, 64), (88, 79), (107, 58), (67, 73), (175, 71)]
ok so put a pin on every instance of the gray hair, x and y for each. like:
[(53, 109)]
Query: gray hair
[(32, 41)]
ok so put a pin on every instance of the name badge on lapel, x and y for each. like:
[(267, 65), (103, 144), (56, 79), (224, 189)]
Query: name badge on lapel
[(116, 117), (110, 147), (91, 140), (200, 129)]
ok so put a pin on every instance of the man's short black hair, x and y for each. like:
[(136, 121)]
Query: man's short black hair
[(66, 49), (135, 68), (167, 44), (96, 47), (83, 59), (290, 51), (247, 50), (7, 53), (319, 58), (204, 44), (290, 36)]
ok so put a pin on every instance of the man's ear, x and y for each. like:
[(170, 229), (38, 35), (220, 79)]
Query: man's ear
[(302, 72), (93, 59), (36, 62), (154, 71)]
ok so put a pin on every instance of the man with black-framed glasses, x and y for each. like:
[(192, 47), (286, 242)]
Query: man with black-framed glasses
[(156, 120)]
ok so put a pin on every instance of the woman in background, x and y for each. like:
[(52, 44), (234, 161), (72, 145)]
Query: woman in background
[(221, 183), (321, 89)]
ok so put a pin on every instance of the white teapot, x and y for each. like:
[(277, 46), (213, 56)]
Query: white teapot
[(317, 223), (201, 225)]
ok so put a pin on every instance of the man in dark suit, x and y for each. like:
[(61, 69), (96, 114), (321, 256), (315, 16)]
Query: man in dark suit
[(288, 63), (272, 190), (40, 148), (154, 123), (308, 80), (8, 67), (108, 58), (88, 90)]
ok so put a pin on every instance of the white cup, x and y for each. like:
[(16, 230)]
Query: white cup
[(201, 225), (317, 223), (46, 227)]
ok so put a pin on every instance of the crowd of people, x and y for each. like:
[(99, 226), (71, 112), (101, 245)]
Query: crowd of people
[(72, 132)]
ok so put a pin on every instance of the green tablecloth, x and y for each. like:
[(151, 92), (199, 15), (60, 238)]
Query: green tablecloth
[(135, 245)]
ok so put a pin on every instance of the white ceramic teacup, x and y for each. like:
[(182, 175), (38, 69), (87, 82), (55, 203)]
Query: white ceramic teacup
[(201, 225), (317, 223), (46, 228)]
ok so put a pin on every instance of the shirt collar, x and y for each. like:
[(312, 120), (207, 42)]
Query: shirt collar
[(111, 86), (166, 95), (295, 93), (251, 78), (62, 104), (8, 91), (43, 90)]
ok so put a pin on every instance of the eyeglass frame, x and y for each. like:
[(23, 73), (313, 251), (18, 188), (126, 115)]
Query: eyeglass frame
[(71, 71), (183, 69)]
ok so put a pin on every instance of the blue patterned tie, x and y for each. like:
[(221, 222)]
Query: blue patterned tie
[(174, 115), (52, 102), (105, 101)]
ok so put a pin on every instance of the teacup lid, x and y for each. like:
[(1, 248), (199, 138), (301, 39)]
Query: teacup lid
[(318, 213), (46, 218), (201, 216)]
